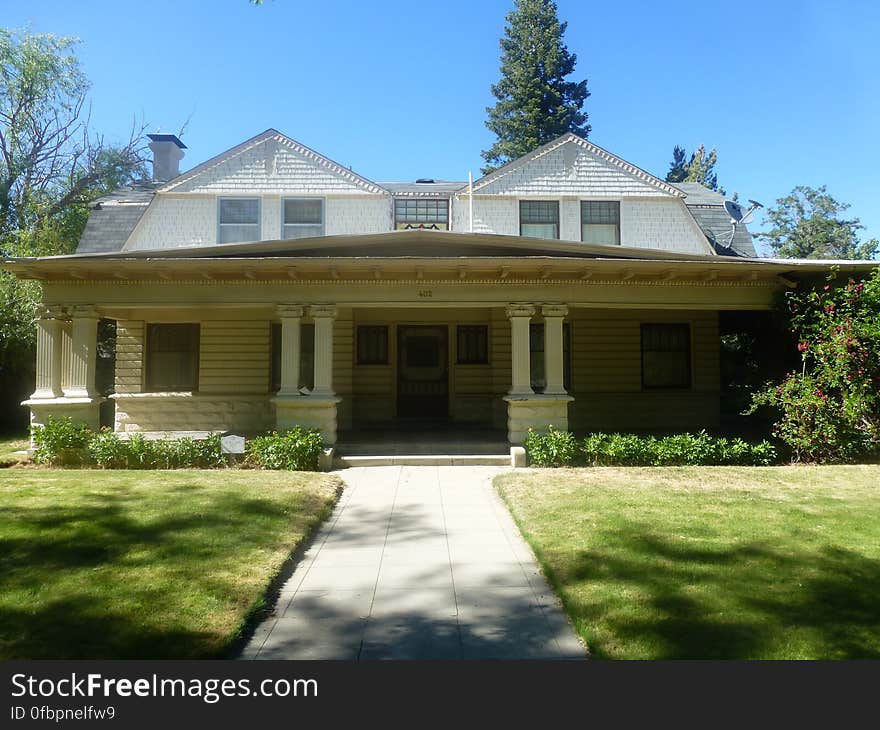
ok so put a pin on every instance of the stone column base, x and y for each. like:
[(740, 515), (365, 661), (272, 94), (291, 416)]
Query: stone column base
[(537, 411), (307, 411), (80, 410)]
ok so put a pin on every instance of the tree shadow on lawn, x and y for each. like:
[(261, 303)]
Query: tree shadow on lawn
[(748, 601), (97, 579)]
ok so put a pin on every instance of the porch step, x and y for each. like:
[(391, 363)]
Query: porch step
[(342, 461)]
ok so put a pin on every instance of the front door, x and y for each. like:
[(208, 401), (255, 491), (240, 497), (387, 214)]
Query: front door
[(422, 371)]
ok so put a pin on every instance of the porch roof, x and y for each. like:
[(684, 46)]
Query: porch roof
[(434, 248), (415, 268)]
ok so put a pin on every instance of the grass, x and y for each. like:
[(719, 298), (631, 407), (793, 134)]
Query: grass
[(710, 562), (144, 564), (9, 445)]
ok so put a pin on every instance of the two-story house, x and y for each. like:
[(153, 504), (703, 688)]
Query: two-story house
[(270, 287)]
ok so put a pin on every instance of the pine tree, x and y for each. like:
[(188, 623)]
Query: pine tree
[(535, 102), (700, 168)]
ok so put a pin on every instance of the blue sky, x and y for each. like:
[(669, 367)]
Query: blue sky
[(788, 92)]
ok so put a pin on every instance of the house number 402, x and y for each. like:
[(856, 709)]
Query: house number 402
[(426, 293)]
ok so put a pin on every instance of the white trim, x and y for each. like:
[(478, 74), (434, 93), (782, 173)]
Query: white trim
[(288, 142), (259, 223), (604, 154), (323, 224)]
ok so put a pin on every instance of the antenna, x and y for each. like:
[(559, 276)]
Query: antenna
[(737, 215)]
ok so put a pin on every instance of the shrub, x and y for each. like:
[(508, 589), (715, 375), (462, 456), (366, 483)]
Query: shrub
[(554, 448), (701, 449), (830, 410), (107, 450), (61, 442), (142, 454), (297, 450)]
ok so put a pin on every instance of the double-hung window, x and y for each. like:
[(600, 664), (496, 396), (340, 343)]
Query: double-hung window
[(239, 220), (303, 218), (372, 344), (172, 362), (600, 221), (473, 344), (666, 356), (539, 218)]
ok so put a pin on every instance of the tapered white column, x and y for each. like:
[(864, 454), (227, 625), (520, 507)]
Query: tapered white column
[(323, 317), (290, 316), (553, 347), (49, 344), (83, 353), (520, 316)]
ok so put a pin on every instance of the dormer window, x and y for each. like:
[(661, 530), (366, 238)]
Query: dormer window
[(239, 220), (600, 221), (303, 218), (539, 218), (431, 214)]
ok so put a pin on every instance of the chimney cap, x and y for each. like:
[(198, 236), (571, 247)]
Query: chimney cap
[(167, 138)]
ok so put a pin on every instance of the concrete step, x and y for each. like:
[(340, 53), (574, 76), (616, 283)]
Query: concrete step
[(342, 461)]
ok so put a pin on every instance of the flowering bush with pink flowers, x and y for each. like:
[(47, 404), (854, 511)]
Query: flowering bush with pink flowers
[(830, 410)]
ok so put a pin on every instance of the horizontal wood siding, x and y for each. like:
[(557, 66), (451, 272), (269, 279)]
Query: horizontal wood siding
[(129, 356), (234, 357), (606, 360)]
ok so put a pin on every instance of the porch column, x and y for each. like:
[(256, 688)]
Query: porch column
[(290, 316), (323, 316), (520, 316), (553, 347), (318, 409), (83, 353), (69, 394), (49, 345)]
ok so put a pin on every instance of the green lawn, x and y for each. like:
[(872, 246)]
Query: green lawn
[(9, 445), (151, 564), (710, 562)]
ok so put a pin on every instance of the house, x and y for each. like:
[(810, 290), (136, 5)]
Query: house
[(270, 287)]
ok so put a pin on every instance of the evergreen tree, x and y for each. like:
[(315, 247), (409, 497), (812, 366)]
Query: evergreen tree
[(535, 102), (807, 224), (700, 168)]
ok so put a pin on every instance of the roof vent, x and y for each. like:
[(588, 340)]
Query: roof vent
[(425, 181)]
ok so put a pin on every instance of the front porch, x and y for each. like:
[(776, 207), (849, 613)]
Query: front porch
[(358, 346)]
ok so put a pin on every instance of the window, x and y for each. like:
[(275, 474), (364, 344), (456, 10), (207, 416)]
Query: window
[(536, 357), (539, 218), (430, 214), (473, 344), (372, 345), (306, 356), (172, 357), (600, 221), (666, 356), (303, 218), (239, 220)]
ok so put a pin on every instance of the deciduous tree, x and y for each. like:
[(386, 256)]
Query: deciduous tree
[(52, 165), (808, 224)]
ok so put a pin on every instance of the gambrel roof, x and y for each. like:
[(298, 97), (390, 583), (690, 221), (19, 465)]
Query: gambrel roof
[(707, 208)]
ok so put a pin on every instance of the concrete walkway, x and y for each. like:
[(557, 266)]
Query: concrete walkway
[(418, 562)]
